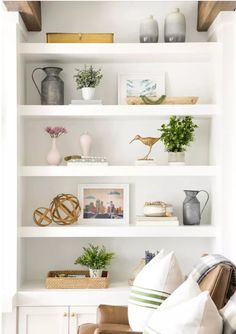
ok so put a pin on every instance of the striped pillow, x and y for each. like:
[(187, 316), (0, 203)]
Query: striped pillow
[(157, 280), (147, 297), (229, 316)]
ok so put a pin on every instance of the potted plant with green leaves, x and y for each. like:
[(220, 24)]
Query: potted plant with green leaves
[(87, 79), (96, 258), (177, 136)]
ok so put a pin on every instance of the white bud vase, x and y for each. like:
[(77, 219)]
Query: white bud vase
[(88, 93), (54, 158), (85, 143)]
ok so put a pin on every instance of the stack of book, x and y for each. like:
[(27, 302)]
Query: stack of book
[(87, 161), (157, 221), (85, 102)]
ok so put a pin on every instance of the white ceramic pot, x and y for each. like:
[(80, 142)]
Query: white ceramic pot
[(175, 27), (85, 143), (176, 158), (157, 209), (95, 273), (154, 210), (54, 157), (88, 93)]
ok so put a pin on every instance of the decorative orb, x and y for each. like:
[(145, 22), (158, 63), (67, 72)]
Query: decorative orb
[(42, 216), (65, 209)]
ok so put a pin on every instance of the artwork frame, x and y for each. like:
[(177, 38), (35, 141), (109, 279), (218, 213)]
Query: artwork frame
[(119, 215), (142, 84)]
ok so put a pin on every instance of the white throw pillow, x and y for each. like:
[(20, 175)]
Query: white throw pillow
[(198, 315), (156, 281), (188, 290), (229, 316)]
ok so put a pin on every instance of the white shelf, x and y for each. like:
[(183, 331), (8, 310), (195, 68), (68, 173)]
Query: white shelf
[(115, 111), (30, 171), (34, 293), (119, 52), (75, 231)]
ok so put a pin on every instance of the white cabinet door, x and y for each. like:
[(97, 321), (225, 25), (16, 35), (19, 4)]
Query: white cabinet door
[(43, 320), (81, 315)]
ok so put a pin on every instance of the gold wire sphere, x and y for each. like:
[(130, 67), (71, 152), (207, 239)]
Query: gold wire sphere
[(42, 216), (65, 209)]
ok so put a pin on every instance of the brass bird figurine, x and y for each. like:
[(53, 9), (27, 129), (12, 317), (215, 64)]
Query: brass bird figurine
[(149, 141)]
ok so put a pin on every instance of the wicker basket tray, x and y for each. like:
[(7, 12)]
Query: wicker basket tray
[(55, 282), (167, 100)]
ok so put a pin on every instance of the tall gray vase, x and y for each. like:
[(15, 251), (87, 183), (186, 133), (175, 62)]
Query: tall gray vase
[(191, 207), (149, 31), (52, 87), (175, 27)]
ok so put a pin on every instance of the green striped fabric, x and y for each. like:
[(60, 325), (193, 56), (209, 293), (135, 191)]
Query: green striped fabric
[(147, 297)]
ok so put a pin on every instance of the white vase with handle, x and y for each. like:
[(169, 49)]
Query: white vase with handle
[(54, 157), (85, 143)]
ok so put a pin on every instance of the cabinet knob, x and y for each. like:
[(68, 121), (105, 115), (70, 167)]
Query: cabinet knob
[(73, 314), (65, 314)]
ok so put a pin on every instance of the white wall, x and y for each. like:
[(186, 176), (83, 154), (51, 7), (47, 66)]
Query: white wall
[(110, 139), (60, 254), (224, 30), (121, 18), (181, 79)]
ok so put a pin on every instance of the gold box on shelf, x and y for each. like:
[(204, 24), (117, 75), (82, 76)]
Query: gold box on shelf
[(80, 38), (75, 279)]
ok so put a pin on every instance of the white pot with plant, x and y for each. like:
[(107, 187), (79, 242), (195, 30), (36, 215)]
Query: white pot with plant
[(87, 79), (96, 258), (177, 136)]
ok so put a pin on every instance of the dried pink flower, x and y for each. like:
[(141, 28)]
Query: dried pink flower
[(56, 131)]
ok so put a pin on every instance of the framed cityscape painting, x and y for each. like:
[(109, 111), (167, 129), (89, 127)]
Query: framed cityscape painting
[(104, 204), (132, 86)]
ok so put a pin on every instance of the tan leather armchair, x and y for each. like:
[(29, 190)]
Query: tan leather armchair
[(114, 319)]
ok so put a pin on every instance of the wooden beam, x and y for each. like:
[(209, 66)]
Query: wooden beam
[(30, 12), (208, 10)]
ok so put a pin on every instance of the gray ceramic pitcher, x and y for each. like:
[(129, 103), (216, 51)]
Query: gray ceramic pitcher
[(191, 207), (52, 87)]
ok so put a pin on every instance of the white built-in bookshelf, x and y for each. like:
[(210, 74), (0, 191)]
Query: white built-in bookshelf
[(203, 69), (112, 126), (192, 69)]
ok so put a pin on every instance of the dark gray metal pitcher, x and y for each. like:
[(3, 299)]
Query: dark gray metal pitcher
[(191, 207), (52, 87)]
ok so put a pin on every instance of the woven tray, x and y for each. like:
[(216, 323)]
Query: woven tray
[(168, 100), (53, 282)]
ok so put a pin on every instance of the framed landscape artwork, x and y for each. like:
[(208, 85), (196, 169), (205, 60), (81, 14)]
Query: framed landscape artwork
[(104, 204), (132, 86)]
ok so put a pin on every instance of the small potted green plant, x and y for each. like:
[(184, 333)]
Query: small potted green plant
[(177, 136), (96, 258), (87, 79)]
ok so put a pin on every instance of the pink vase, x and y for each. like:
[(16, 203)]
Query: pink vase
[(54, 157)]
